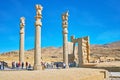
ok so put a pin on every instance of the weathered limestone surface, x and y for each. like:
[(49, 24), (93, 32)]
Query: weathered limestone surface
[(83, 50), (21, 48), (56, 74), (65, 38), (38, 24)]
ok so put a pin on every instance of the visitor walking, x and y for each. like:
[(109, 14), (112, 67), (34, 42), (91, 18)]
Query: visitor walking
[(3, 63), (26, 65), (0, 65), (57, 65), (12, 65), (29, 66), (18, 64), (22, 65), (64, 65)]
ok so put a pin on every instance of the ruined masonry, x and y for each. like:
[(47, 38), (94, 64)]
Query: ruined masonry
[(83, 55), (81, 58)]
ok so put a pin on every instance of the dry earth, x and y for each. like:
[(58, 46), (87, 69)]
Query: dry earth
[(54, 74), (52, 54)]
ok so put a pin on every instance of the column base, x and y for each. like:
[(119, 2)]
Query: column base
[(80, 65), (37, 67), (67, 67)]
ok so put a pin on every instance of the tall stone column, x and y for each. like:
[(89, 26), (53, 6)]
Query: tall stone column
[(21, 48), (65, 38), (37, 49)]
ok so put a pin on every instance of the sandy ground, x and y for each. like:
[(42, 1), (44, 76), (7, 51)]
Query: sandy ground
[(54, 74)]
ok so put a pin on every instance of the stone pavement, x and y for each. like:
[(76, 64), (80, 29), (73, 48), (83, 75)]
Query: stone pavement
[(55, 74), (114, 75)]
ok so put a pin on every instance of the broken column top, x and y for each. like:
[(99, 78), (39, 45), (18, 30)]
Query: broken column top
[(39, 7), (38, 10), (72, 38), (22, 21), (65, 16)]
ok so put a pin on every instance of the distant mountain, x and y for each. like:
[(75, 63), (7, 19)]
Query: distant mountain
[(111, 50), (114, 44), (55, 54)]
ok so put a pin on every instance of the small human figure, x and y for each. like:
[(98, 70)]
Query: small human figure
[(18, 64), (0, 65), (3, 63), (51, 65), (22, 65), (64, 65), (43, 65), (47, 65), (12, 65), (26, 65), (57, 65), (29, 67)]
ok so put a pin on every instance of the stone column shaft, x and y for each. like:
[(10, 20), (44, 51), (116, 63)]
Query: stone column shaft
[(37, 52), (65, 49), (21, 51), (21, 48), (65, 38), (37, 57)]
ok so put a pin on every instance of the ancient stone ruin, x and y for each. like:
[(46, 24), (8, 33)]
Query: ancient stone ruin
[(65, 38), (83, 46), (83, 55), (21, 48), (83, 43), (37, 53), (38, 24)]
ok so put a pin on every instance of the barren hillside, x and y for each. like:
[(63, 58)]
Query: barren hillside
[(55, 54), (110, 50)]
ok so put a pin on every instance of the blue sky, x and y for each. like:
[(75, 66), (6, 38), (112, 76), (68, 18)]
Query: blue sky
[(99, 19)]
